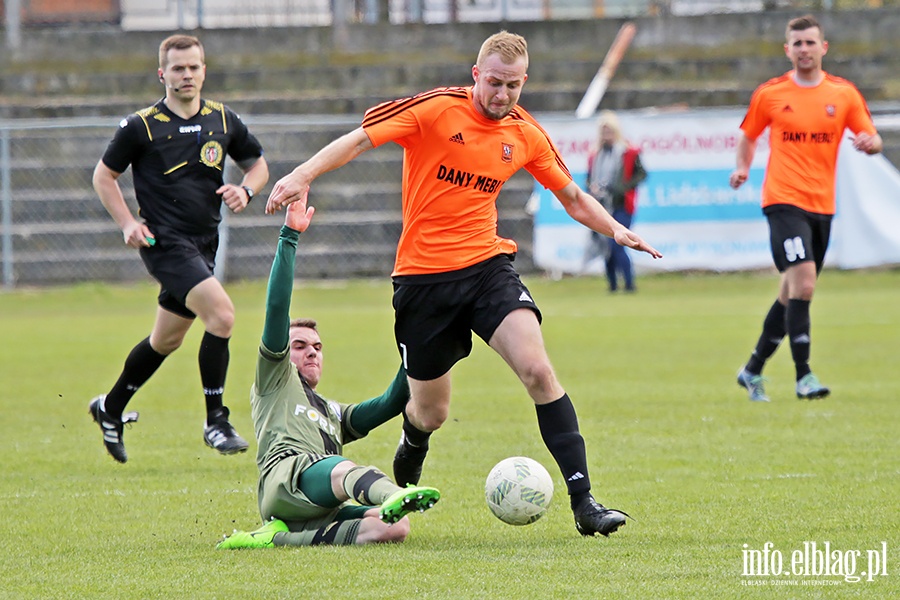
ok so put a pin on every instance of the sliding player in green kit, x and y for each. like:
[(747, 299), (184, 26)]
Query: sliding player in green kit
[(305, 485)]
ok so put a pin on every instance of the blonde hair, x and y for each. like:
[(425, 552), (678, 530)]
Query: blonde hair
[(609, 119), (178, 42), (509, 46)]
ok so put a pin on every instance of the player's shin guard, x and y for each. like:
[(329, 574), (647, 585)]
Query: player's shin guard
[(559, 429), (798, 326), (770, 338), (368, 485), (414, 436)]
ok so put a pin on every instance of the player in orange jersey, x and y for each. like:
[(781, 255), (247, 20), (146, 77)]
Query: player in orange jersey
[(453, 274), (806, 111)]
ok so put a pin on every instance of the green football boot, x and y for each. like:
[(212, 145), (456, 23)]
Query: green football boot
[(259, 538), (410, 499)]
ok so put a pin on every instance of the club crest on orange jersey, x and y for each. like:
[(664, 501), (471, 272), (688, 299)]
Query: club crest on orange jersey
[(830, 110), (211, 154), (507, 152)]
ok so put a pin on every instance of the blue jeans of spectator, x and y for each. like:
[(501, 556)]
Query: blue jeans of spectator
[(617, 259)]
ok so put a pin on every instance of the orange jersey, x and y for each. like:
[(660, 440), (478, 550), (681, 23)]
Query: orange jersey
[(806, 125), (455, 161)]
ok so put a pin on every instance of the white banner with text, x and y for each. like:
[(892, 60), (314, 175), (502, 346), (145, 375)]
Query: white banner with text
[(687, 210)]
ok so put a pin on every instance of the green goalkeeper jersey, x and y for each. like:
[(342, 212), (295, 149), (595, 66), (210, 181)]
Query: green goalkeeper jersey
[(289, 417)]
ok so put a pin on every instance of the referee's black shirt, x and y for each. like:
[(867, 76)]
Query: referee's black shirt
[(177, 164)]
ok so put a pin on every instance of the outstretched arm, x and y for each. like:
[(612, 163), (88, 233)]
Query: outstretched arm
[(276, 329), (582, 207), (294, 186), (368, 415)]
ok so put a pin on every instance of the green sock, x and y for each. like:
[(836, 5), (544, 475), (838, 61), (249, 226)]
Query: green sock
[(343, 533), (368, 485)]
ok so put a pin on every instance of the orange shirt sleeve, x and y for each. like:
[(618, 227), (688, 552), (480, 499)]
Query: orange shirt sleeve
[(547, 165), (757, 118), (403, 121), (860, 119)]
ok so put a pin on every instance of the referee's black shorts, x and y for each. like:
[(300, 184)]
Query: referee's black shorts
[(179, 262), (435, 314), (797, 235)]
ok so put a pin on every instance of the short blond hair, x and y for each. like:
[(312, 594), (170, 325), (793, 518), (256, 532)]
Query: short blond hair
[(177, 42), (609, 119), (509, 46)]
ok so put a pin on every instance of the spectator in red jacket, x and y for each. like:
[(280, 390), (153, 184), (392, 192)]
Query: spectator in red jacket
[(614, 172)]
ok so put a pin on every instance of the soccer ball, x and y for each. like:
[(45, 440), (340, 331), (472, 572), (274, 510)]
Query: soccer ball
[(518, 490)]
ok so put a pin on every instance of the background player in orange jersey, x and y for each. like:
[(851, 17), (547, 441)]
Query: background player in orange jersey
[(806, 111), (453, 274)]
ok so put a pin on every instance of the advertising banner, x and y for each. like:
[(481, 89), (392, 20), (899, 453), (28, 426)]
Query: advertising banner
[(687, 210)]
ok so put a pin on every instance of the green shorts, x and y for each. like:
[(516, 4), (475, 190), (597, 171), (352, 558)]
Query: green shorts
[(280, 497)]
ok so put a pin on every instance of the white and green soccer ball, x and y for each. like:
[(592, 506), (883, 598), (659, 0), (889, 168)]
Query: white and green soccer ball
[(518, 490)]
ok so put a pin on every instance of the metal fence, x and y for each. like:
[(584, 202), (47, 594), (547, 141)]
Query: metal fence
[(55, 230)]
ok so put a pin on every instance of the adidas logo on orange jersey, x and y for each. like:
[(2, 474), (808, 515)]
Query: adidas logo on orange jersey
[(458, 139), (787, 108)]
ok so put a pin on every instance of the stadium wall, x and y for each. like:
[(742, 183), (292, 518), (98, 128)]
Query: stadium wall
[(874, 28)]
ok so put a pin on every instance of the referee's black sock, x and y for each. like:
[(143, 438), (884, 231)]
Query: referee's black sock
[(559, 429), (798, 327), (213, 359), (770, 338), (142, 362)]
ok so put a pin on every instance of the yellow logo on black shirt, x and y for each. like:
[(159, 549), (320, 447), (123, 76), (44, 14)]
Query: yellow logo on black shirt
[(211, 154)]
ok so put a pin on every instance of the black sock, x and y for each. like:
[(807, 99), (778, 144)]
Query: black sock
[(414, 436), (559, 429), (213, 358), (798, 333), (770, 338), (142, 362)]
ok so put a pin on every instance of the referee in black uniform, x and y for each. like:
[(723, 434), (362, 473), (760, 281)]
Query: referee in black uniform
[(176, 149)]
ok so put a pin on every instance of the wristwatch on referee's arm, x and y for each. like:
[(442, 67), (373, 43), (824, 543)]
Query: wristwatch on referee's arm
[(249, 191)]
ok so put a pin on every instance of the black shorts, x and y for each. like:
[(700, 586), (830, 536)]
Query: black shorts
[(179, 262), (797, 236), (435, 315)]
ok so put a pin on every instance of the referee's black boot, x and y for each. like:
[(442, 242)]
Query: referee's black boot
[(408, 461), (220, 435), (111, 427)]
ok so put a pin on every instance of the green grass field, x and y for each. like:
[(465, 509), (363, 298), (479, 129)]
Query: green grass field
[(671, 439)]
